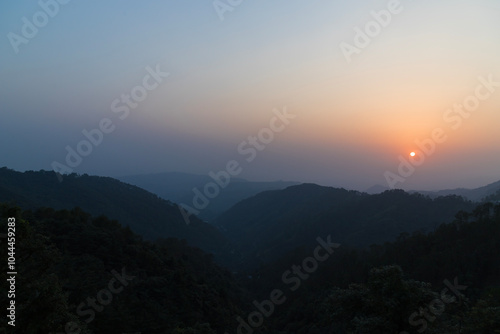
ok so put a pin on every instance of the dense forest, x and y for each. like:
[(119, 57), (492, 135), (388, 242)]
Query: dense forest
[(397, 287), (342, 262), (264, 227), (67, 260), (66, 257)]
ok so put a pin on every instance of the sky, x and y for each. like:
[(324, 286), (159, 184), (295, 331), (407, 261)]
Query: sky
[(356, 83)]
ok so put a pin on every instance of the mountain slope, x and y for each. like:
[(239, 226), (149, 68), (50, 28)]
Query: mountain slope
[(339, 293), (67, 259), (271, 223), (145, 213)]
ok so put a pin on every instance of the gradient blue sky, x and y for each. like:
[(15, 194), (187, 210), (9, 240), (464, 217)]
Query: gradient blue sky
[(353, 119)]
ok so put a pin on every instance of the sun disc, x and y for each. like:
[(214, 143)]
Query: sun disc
[(413, 154)]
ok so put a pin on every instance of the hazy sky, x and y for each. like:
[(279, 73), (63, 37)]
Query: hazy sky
[(354, 119)]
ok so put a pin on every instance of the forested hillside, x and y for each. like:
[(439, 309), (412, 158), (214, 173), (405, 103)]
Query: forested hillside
[(93, 275), (267, 225), (145, 213), (322, 255), (397, 287)]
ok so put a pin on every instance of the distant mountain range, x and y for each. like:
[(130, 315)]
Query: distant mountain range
[(144, 212), (178, 187), (376, 189), (475, 195)]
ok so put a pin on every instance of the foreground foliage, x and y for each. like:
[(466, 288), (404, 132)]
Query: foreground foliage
[(65, 257)]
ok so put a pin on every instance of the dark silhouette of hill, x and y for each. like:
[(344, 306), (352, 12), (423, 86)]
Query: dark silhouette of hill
[(178, 187), (94, 276), (267, 225), (145, 213), (69, 264), (385, 288)]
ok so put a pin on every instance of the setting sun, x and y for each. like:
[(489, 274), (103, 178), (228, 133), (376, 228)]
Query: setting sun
[(413, 154)]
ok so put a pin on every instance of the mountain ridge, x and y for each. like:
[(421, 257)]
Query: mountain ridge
[(270, 223), (147, 214), (473, 194)]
